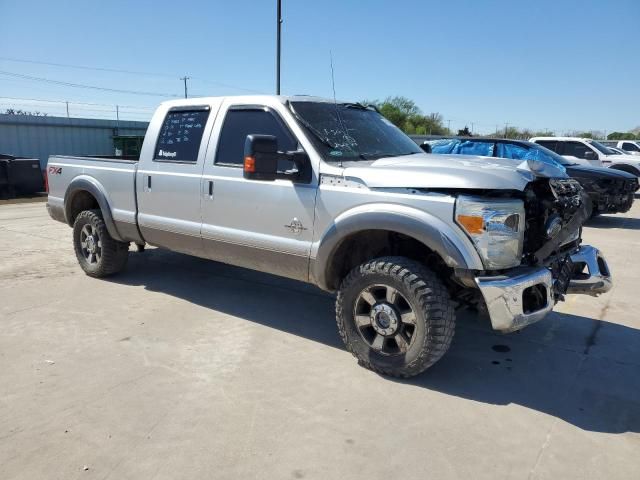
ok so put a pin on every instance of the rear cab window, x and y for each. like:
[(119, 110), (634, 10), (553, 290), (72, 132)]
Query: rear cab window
[(181, 135)]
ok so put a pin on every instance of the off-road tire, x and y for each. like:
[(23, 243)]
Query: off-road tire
[(113, 254), (426, 295)]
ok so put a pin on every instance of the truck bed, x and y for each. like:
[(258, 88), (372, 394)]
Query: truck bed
[(112, 178)]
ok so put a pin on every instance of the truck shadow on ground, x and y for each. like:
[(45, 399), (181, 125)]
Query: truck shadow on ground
[(610, 221), (580, 370)]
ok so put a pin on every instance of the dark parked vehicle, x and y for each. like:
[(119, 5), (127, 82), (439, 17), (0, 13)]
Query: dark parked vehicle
[(610, 191), (20, 176)]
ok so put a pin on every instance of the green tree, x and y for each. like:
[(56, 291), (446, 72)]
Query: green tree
[(406, 115), (582, 134), (621, 136), (13, 111)]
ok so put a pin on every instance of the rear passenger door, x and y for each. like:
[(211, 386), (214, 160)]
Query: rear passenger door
[(263, 225), (168, 182)]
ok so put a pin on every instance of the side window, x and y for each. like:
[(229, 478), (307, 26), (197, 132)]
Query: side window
[(508, 150), (180, 136), (550, 144), (239, 123), (469, 147), (630, 147), (576, 149), (443, 146)]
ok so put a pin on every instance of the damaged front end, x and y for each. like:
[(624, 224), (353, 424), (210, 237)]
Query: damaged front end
[(553, 261), (610, 195)]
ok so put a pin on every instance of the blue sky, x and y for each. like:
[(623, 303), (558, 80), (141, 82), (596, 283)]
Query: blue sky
[(560, 64)]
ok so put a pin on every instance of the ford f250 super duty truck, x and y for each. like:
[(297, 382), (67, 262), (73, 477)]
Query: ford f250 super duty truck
[(333, 194)]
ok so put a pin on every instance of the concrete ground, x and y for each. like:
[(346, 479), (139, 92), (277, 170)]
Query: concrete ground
[(184, 368)]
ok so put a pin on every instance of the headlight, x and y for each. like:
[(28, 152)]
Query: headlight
[(496, 227)]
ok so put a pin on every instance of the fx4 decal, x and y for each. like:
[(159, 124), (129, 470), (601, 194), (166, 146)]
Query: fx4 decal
[(55, 170)]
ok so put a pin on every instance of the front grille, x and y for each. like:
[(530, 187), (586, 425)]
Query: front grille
[(565, 187), (546, 200)]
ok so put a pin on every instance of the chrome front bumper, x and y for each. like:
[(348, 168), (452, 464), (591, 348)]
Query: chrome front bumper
[(595, 277), (506, 295)]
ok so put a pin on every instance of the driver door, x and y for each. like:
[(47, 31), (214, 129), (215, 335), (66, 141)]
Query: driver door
[(263, 225)]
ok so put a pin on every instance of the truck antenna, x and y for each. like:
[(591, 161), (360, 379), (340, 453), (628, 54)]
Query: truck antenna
[(335, 102)]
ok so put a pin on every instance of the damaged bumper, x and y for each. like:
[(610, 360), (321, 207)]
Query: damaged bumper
[(592, 275), (525, 295)]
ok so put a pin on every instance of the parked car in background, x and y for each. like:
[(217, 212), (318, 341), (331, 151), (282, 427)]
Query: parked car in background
[(610, 191), (334, 194), (581, 150), (627, 146), (20, 176), (617, 151)]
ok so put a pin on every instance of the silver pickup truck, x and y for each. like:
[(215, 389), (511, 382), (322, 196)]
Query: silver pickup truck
[(333, 194)]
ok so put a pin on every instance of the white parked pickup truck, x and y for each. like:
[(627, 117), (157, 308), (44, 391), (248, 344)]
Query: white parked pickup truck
[(335, 195), (585, 151), (627, 146)]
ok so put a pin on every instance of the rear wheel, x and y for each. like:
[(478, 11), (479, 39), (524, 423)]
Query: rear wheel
[(395, 316), (98, 254)]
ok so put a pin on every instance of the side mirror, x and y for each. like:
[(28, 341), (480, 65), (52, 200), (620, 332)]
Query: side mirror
[(590, 155), (263, 161), (260, 157), (426, 147)]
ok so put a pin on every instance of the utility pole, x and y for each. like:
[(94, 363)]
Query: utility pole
[(278, 44), (117, 113), (185, 78), (506, 126), (472, 128), (449, 125), (67, 109)]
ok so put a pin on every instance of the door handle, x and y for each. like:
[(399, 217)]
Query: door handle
[(211, 188), (149, 182)]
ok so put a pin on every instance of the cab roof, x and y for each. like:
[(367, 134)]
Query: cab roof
[(248, 99)]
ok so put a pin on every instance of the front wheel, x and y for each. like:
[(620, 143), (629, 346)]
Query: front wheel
[(395, 316), (98, 254)]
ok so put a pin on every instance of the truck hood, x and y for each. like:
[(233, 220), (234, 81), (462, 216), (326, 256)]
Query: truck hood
[(597, 173), (451, 171)]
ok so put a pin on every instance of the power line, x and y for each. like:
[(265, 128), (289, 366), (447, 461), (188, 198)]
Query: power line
[(128, 72), (92, 87), (85, 67), (136, 107)]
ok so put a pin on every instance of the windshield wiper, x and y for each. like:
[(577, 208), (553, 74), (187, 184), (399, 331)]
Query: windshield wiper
[(361, 106)]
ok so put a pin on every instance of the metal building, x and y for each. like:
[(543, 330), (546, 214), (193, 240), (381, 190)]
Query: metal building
[(38, 137)]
